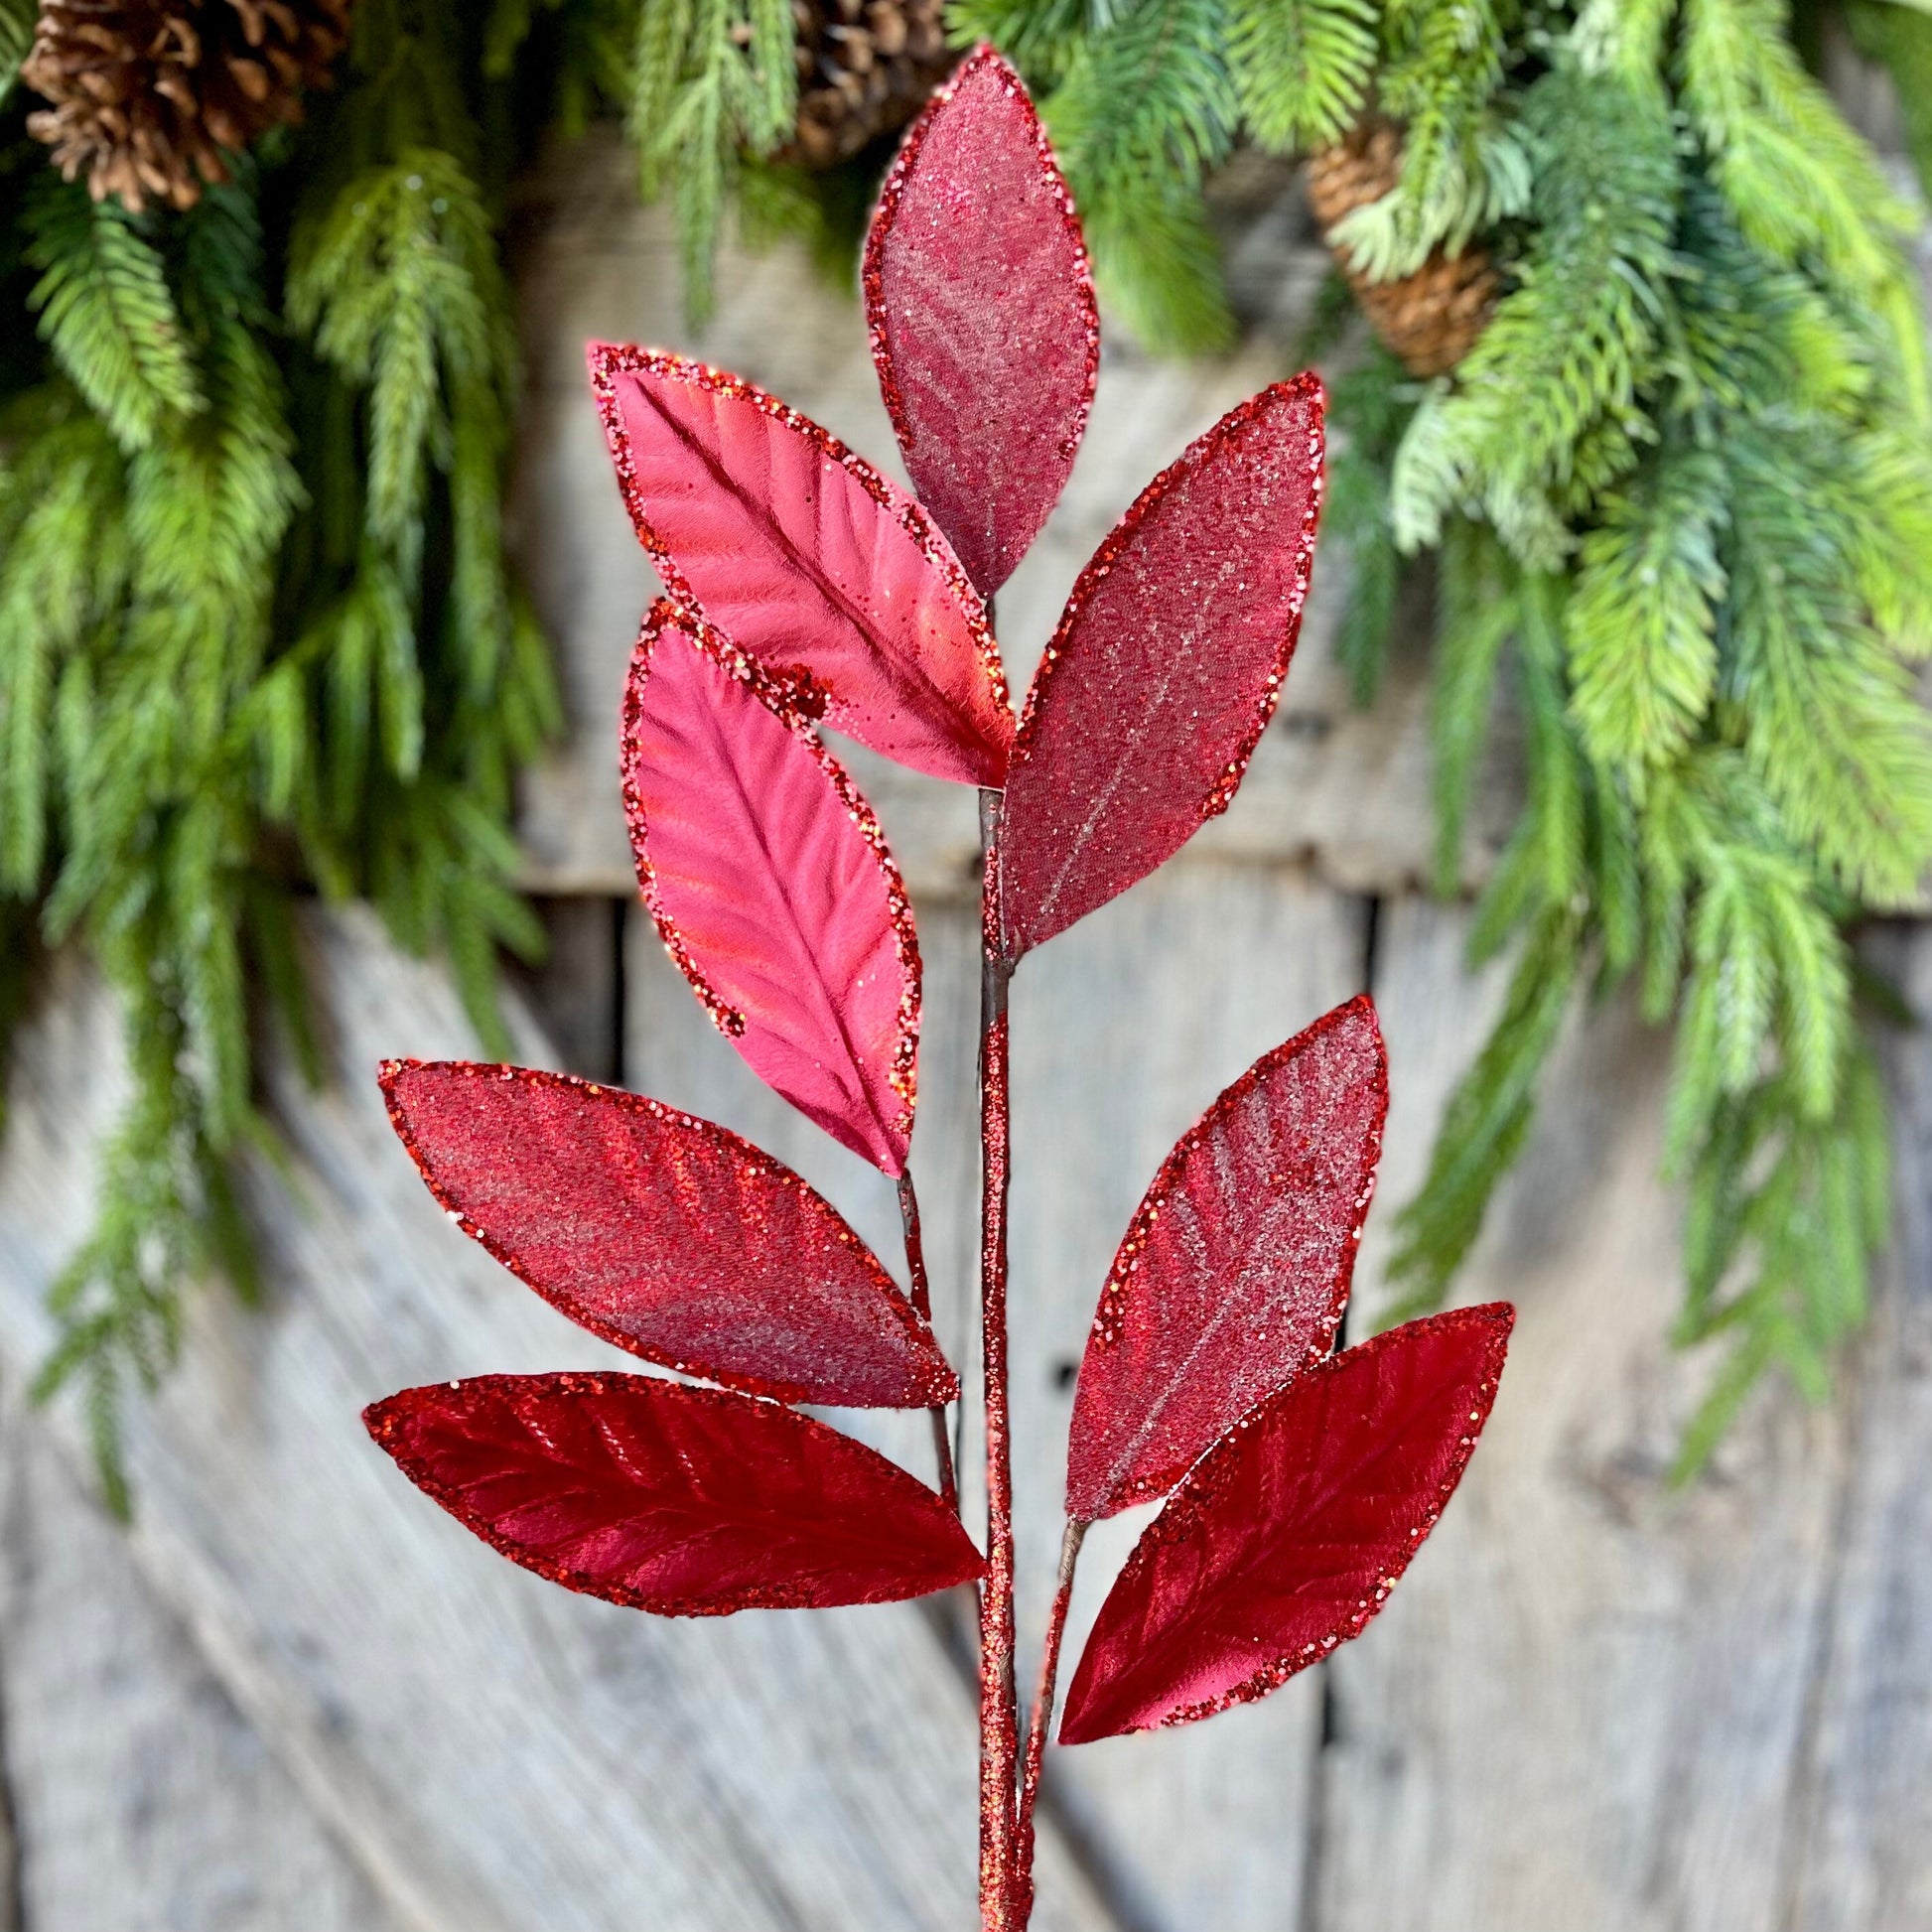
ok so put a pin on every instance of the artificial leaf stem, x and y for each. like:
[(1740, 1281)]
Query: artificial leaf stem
[(998, 1697), (1043, 1719), (909, 1214)]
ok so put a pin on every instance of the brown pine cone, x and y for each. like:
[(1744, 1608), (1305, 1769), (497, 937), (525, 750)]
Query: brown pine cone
[(1429, 320), (145, 95), (865, 68)]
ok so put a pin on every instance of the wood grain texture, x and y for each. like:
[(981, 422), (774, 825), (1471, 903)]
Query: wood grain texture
[(1585, 1705), (1124, 1031), (1858, 1854), (497, 1754), (143, 1800), (1346, 791)]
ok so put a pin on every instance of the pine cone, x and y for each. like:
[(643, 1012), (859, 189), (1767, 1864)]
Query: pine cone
[(865, 68), (1429, 320), (146, 94)]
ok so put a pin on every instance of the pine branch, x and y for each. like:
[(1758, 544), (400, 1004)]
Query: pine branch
[(1300, 68), (106, 312)]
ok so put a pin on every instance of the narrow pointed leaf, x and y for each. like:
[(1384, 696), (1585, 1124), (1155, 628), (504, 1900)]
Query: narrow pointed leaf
[(666, 1235), (837, 583), (771, 882), (1166, 666), (686, 1502), (1236, 1267), (1289, 1536), (983, 319)]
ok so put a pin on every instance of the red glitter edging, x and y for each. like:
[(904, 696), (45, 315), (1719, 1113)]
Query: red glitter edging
[(938, 1388), (380, 1420), (782, 700), (886, 212), (609, 360), (1183, 1512), (1103, 1333), (1307, 387)]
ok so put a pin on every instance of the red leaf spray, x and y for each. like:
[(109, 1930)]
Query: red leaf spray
[(806, 590)]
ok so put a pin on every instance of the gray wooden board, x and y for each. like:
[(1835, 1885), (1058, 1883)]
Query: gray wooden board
[(495, 1753), (1585, 1706), (143, 1801), (1344, 789), (1860, 1857), (1123, 1031)]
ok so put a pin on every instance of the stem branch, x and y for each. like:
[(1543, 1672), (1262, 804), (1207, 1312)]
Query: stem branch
[(999, 1697), (909, 1214), (1043, 1719)]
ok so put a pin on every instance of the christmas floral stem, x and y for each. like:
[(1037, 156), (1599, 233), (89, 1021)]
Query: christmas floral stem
[(1043, 1719), (909, 1214), (998, 1697)]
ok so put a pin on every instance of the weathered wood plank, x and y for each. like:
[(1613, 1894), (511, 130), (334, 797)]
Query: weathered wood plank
[(143, 1801), (1583, 1706), (1859, 1852), (1124, 1029), (496, 1752), (1347, 791)]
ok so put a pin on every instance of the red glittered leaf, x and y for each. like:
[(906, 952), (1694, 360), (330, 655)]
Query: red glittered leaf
[(1290, 1534), (983, 319), (687, 1502), (770, 880), (1166, 666), (837, 584), (1235, 1269), (666, 1235)]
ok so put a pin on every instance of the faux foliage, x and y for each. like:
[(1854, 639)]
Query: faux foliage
[(257, 631)]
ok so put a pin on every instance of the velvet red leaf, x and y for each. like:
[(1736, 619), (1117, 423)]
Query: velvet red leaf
[(666, 1235), (688, 1502), (983, 319), (771, 882), (1289, 1536), (1235, 1269), (837, 583), (1166, 666)]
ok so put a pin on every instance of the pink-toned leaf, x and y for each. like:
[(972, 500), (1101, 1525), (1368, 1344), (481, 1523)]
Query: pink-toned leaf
[(771, 882), (837, 583), (1166, 666), (666, 1235), (1289, 1536), (983, 319), (1235, 1269), (687, 1502)]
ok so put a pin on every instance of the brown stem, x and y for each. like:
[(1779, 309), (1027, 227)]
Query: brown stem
[(909, 1214), (1043, 1719), (999, 1697)]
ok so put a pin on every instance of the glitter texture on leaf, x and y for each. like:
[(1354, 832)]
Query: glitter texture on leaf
[(833, 580), (686, 1502), (1236, 1267), (1166, 666), (666, 1235), (771, 882), (981, 315), (1290, 1533)]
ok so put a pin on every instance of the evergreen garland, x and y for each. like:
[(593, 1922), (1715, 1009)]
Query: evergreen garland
[(1679, 501), (257, 633), (256, 625)]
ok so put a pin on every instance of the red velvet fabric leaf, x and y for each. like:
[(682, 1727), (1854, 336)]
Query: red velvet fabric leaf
[(771, 882), (983, 319), (666, 1235), (1287, 1537), (837, 583), (1236, 1267), (687, 1502), (1166, 666)]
